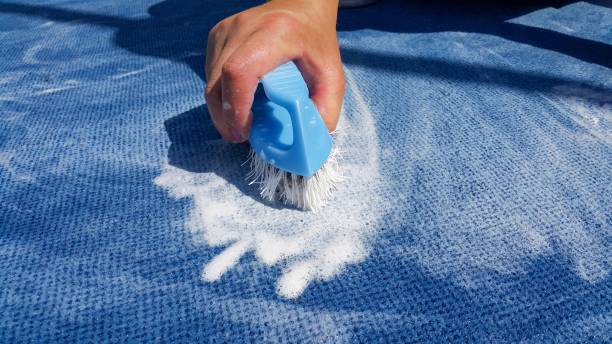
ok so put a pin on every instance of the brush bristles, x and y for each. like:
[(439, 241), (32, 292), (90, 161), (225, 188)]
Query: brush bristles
[(307, 193)]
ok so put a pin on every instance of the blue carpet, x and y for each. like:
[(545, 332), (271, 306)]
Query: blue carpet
[(479, 208)]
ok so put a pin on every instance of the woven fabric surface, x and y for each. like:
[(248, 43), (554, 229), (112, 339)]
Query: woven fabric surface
[(477, 141)]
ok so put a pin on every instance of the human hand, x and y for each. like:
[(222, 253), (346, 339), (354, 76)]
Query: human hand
[(244, 47)]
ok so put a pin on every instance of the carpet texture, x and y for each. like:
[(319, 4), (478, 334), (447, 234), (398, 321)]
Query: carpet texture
[(476, 205)]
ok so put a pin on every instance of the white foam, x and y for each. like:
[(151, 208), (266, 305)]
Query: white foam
[(588, 109), (310, 246), (307, 193), (222, 262)]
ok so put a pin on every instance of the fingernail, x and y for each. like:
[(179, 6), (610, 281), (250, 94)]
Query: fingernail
[(236, 135)]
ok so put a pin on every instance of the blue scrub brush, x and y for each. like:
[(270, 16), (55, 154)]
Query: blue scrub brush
[(292, 156)]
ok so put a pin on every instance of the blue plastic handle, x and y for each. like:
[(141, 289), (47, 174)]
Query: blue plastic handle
[(287, 129)]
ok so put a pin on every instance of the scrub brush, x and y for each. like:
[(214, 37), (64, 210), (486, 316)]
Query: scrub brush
[(292, 156)]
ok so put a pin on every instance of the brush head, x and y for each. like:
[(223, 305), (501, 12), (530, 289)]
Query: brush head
[(306, 193), (292, 157), (287, 129)]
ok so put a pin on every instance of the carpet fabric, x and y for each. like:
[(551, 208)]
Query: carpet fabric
[(478, 144)]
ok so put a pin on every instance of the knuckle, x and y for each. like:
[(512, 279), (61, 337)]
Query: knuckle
[(218, 28), (213, 32), (281, 20), (232, 70), (241, 18)]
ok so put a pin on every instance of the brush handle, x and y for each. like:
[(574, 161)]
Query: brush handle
[(288, 106)]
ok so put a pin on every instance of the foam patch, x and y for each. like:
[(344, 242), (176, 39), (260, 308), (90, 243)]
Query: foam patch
[(310, 246)]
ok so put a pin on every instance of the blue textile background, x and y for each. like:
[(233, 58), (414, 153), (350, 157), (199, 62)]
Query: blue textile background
[(496, 123)]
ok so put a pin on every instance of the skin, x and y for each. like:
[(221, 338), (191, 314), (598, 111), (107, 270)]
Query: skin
[(244, 47)]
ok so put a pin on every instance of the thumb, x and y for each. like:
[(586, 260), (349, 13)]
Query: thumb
[(327, 92)]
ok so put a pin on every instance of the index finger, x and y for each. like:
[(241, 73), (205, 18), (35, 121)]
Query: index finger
[(241, 74)]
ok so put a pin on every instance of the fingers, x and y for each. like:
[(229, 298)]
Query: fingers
[(240, 76), (213, 101), (217, 41), (220, 46), (326, 85), (327, 92), (233, 74), (243, 48), (238, 84), (230, 100)]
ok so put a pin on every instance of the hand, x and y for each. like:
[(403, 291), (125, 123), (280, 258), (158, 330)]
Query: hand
[(244, 47)]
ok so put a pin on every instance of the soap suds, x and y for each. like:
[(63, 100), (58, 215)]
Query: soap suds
[(534, 199), (228, 258), (56, 35), (309, 246), (307, 193), (130, 73), (590, 110)]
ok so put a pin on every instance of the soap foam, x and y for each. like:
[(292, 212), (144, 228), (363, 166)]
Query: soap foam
[(310, 246), (588, 109)]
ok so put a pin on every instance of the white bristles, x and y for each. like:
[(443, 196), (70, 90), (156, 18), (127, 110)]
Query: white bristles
[(307, 193)]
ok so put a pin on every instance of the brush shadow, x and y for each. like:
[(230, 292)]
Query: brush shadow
[(174, 30), (197, 147)]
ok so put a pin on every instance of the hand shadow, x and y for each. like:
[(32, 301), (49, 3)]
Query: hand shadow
[(197, 147), (176, 30)]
